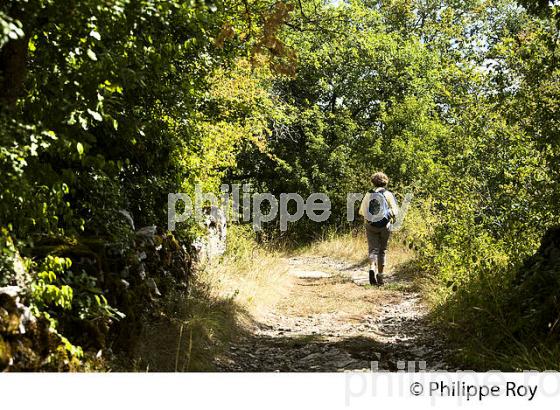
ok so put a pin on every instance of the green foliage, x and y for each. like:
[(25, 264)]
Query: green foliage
[(46, 293), (63, 297), (56, 286), (10, 29), (115, 105), (104, 109)]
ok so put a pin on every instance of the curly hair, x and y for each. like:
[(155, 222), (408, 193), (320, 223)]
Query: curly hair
[(379, 179)]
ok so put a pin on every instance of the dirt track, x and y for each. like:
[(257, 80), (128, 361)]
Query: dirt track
[(332, 320)]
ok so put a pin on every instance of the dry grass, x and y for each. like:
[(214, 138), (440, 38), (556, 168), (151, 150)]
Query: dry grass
[(331, 296), (255, 282), (186, 333), (352, 247), (224, 298), (339, 293)]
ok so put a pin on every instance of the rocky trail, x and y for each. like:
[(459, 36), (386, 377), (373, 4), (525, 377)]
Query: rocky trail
[(332, 320)]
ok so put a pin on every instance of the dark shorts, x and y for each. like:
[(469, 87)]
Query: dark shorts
[(378, 240)]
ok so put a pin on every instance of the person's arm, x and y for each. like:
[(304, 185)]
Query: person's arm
[(392, 204)]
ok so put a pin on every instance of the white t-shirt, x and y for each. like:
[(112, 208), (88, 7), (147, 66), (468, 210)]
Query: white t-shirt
[(390, 200)]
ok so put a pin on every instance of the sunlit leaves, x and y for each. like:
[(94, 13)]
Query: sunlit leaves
[(95, 35), (10, 29)]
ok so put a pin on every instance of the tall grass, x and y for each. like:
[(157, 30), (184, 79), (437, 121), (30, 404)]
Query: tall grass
[(351, 246), (253, 276), (225, 296), (489, 330)]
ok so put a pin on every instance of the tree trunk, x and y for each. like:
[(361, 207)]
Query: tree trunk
[(13, 57)]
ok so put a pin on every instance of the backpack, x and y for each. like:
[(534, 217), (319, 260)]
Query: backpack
[(379, 210)]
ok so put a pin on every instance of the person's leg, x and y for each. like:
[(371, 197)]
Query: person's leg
[(373, 239), (382, 255)]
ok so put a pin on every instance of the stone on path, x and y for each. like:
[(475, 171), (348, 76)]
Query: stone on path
[(310, 274), (360, 280)]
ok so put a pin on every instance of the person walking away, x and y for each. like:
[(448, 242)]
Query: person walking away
[(379, 209)]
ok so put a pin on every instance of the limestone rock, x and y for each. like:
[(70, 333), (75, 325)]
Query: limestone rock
[(213, 244)]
